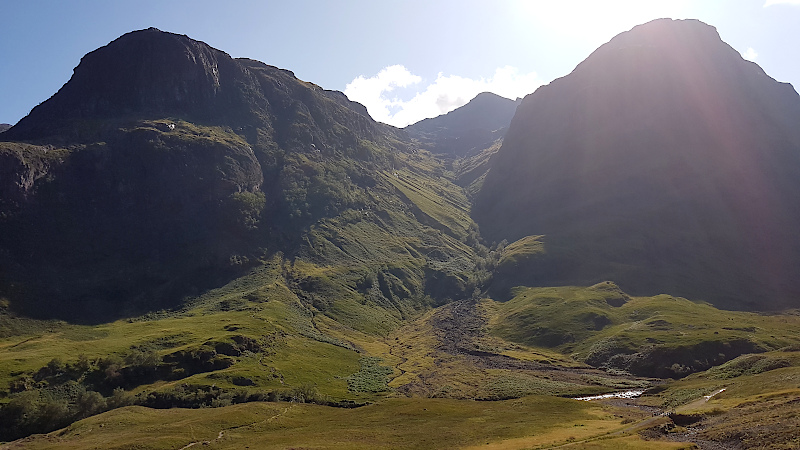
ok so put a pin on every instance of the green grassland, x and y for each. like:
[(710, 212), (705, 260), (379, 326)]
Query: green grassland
[(308, 356), (266, 343), (469, 363), (442, 209), (518, 251), (531, 422), (251, 339)]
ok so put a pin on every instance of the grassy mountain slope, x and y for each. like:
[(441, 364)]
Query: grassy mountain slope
[(240, 235), (444, 353), (661, 336)]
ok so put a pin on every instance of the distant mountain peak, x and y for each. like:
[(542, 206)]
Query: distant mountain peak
[(469, 128)]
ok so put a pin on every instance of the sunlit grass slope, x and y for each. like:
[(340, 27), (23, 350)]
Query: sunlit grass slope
[(531, 422), (266, 336), (660, 336), (446, 209)]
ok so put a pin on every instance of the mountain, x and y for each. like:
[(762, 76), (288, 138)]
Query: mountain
[(665, 162), (4, 127), (165, 167), (468, 129), (211, 232)]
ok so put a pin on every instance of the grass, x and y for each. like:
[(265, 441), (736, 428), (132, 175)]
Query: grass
[(304, 355), (596, 323), (393, 423), (442, 208), (293, 357), (471, 171), (299, 359), (37, 157), (191, 133), (427, 368), (628, 443), (521, 250), (372, 377), (756, 382)]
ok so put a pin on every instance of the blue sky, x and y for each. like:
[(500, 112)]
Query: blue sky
[(405, 60)]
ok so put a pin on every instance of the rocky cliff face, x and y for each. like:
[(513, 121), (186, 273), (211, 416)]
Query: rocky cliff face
[(665, 162)]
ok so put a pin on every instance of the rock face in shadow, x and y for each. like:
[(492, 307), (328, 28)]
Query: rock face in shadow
[(468, 129), (162, 167), (664, 162)]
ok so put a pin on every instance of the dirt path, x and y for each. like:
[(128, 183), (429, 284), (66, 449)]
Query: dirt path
[(699, 402), (221, 433)]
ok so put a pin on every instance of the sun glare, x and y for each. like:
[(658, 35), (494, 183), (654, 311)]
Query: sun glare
[(596, 22)]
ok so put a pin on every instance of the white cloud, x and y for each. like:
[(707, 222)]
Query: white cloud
[(750, 54), (781, 2), (443, 95)]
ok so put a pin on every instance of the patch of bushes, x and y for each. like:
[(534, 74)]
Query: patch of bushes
[(51, 408), (59, 393), (373, 377), (194, 396), (747, 365), (48, 408)]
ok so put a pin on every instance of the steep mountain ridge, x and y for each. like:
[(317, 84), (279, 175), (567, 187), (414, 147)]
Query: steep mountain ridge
[(665, 162)]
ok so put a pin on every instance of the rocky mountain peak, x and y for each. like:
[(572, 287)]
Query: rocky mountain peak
[(142, 72)]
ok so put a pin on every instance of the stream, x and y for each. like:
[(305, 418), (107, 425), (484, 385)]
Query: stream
[(623, 394)]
